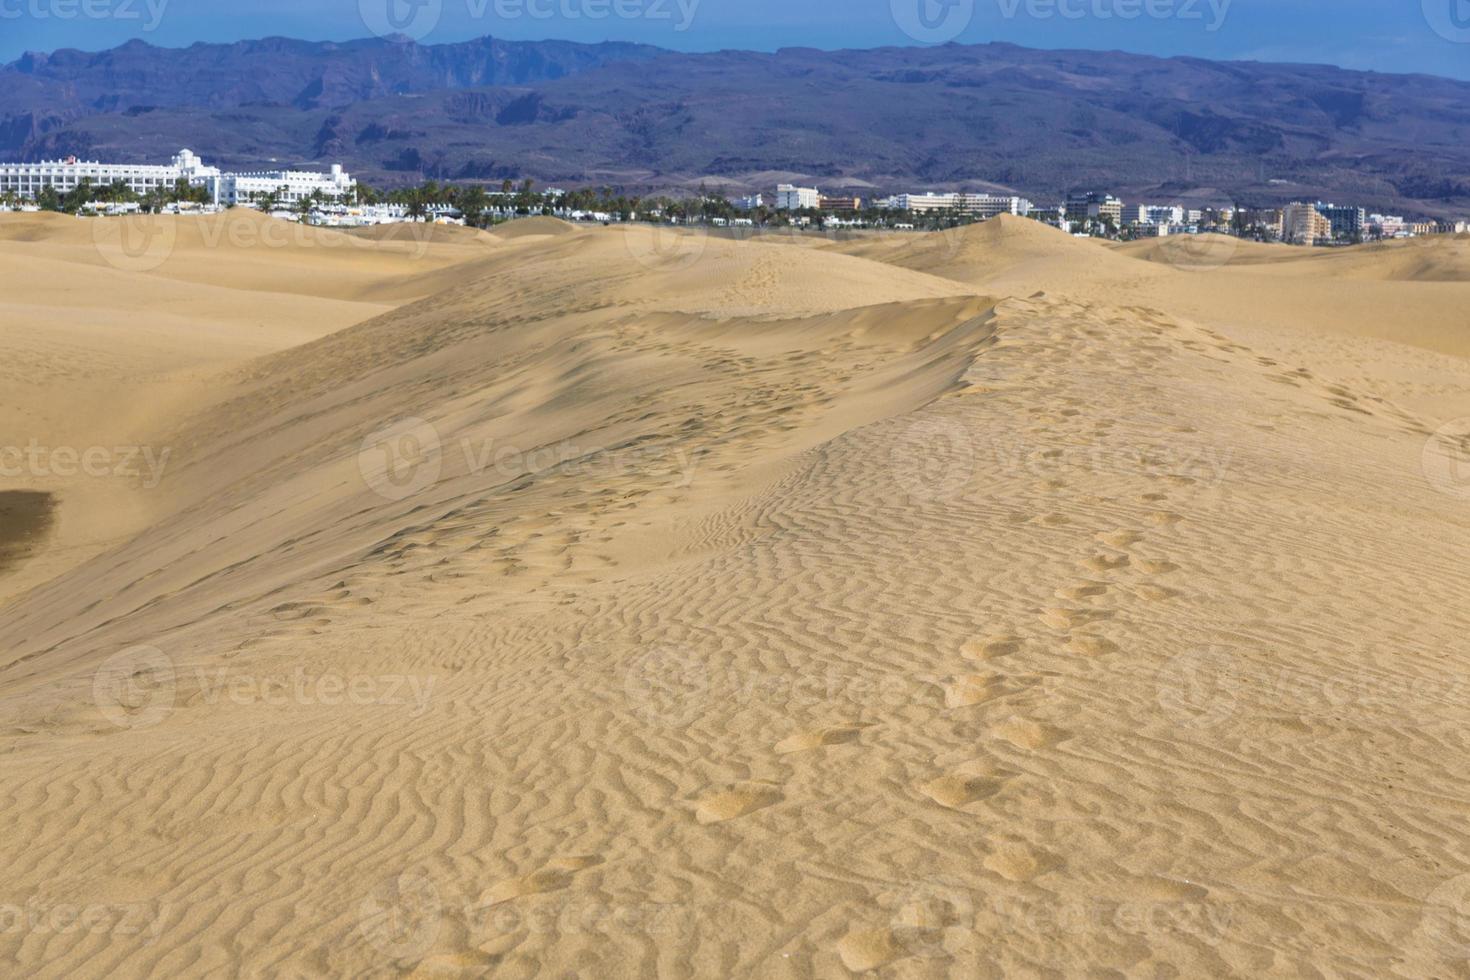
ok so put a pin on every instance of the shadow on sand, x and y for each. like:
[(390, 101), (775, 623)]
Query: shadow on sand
[(25, 517)]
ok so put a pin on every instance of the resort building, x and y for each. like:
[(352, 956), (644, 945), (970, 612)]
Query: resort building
[(986, 206), (27, 180), (789, 198), (289, 186)]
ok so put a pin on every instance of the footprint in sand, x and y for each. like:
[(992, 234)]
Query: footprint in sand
[(1104, 563), (1164, 518), (1083, 590), (868, 949), (821, 738), (469, 963), (1067, 619), (736, 802), (1026, 734), (991, 647), (1155, 593), (1156, 566), (958, 790), (1088, 645), (556, 875), (1019, 862), (969, 689), (1120, 539)]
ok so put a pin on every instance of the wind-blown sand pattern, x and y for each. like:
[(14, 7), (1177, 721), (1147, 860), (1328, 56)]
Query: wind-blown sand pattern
[(613, 602)]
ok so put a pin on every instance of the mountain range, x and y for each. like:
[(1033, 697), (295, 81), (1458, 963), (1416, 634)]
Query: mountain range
[(639, 118)]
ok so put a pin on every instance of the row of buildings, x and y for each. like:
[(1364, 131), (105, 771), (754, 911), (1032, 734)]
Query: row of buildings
[(1093, 211), (28, 180), (981, 206)]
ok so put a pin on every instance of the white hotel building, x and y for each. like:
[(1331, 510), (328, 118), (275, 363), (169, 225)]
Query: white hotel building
[(26, 180), (975, 205)]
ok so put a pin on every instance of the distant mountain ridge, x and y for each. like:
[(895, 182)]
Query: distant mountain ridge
[(639, 117)]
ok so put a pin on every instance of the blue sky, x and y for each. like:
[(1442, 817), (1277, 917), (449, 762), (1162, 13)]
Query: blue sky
[(1384, 35)]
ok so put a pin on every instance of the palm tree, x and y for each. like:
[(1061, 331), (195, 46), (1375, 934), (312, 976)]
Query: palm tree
[(472, 204)]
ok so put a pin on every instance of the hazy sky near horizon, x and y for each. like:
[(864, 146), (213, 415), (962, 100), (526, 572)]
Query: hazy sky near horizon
[(1430, 36)]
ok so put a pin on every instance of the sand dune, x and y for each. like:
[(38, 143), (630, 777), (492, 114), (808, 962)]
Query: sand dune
[(638, 602)]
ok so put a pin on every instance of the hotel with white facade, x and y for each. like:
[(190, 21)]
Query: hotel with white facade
[(27, 180)]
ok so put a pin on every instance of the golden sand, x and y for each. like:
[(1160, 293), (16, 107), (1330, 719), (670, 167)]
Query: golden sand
[(616, 602)]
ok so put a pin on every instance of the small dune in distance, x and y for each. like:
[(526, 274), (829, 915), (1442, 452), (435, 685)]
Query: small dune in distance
[(566, 600)]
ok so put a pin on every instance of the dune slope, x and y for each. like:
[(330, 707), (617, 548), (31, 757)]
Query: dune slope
[(644, 604)]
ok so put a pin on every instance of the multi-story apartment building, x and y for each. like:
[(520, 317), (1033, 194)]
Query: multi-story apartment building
[(1347, 223), (840, 203), (791, 198), (1084, 206), (1165, 215), (1303, 224)]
